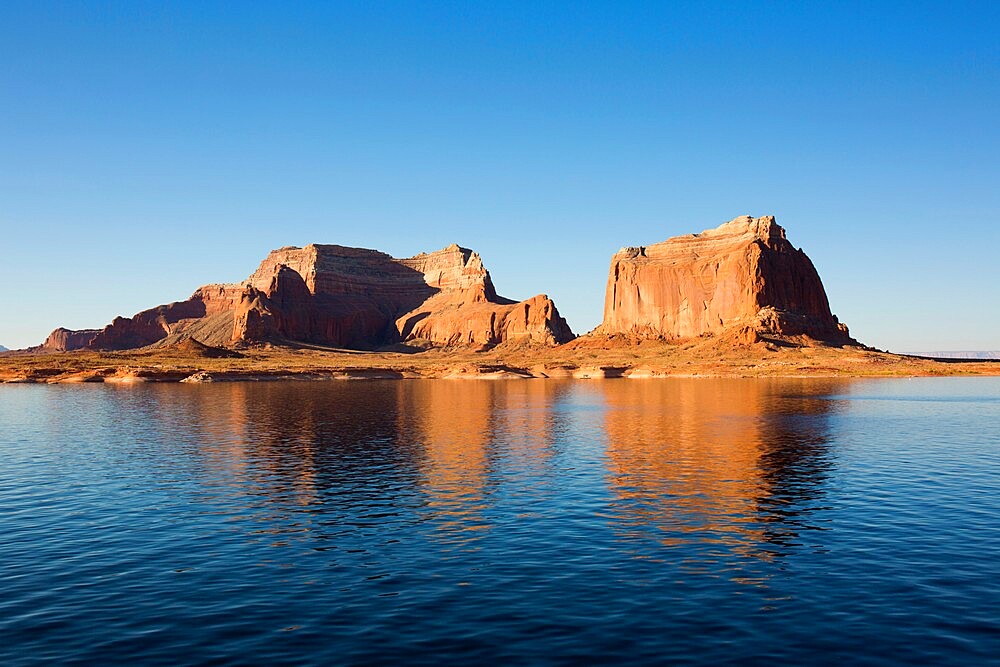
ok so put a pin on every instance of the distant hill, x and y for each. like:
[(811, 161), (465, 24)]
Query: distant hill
[(2, 348), (960, 354)]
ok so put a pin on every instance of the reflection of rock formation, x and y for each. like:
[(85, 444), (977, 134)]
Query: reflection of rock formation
[(794, 460), (717, 461), (525, 424), (452, 423), (728, 465), (375, 452), (336, 444), (474, 435)]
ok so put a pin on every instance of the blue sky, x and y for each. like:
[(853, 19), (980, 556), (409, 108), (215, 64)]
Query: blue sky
[(146, 149)]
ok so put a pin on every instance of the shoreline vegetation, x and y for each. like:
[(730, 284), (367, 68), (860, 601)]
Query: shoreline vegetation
[(585, 358)]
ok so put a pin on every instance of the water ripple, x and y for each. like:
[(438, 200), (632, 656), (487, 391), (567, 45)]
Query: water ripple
[(679, 521)]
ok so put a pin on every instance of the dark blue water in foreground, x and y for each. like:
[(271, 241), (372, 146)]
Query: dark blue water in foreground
[(620, 521)]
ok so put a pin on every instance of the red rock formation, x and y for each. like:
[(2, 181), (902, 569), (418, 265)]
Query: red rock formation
[(447, 320), (742, 275), (343, 297), (62, 339)]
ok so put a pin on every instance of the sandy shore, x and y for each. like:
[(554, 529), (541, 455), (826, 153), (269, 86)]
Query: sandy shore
[(648, 359)]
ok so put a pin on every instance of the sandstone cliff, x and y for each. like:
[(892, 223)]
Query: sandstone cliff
[(62, 339), (341, 297), (740, 279)]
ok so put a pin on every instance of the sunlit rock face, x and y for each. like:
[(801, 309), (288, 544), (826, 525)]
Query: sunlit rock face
[(343, 297), (743, 273), (62, 339)]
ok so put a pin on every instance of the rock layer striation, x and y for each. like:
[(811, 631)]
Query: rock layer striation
[(741, 279), (341, 297)]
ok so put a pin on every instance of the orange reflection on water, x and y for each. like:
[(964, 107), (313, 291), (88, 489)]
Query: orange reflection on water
[(737, 465), (459, 426), (695, 460), (284, 446), (450, 422)]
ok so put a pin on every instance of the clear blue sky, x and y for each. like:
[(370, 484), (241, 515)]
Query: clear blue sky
[(146, 149)]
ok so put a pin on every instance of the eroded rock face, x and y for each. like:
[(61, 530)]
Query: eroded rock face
[(62, 339), (742, 274), (344, 297), (445, 320)]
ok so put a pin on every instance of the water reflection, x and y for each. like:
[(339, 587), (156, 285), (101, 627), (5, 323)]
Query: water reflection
[(733, 463), (360, 453), (737, 465), (451, 424), (325, 461), (618, 520), (474, 438)]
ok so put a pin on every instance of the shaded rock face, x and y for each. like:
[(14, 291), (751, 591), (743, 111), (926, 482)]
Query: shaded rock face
[(343, 297), (743, 275), (61, 339)]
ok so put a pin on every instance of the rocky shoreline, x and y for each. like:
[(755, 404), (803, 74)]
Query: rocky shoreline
[(641, 360)]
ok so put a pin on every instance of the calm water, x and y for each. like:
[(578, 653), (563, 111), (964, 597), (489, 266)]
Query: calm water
[(704, 521)]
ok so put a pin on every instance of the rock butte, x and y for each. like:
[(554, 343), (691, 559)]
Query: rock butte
[(742, 280), (735, 301), (740, 284), (340, 297)]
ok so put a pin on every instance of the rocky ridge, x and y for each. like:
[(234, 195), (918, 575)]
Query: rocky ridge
[(336, 296)]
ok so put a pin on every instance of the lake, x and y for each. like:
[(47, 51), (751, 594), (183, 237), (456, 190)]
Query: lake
[(681, 521)]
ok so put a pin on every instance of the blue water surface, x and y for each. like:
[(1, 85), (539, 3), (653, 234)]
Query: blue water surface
[(680, 521)]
